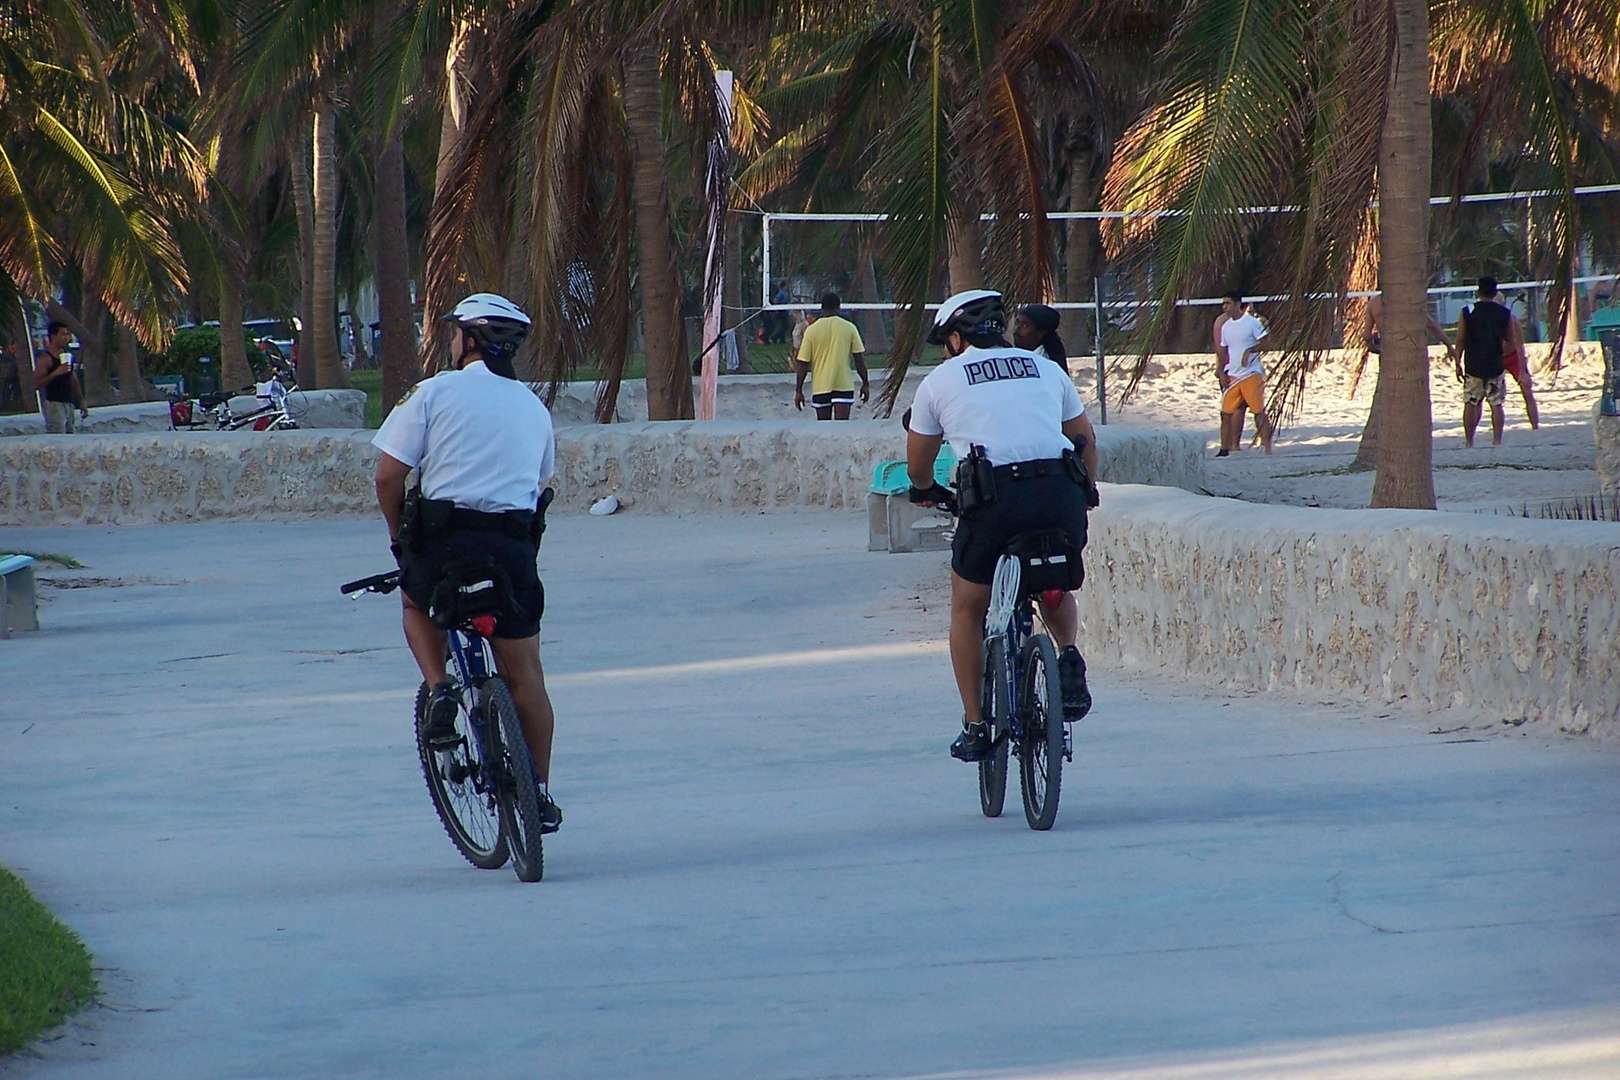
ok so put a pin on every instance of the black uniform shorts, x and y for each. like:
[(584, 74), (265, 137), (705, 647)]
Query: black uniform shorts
[(1037, 502), (422, 570)]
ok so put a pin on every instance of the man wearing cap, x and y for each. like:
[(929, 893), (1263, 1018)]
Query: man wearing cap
[(484, 446), (1022, 417)]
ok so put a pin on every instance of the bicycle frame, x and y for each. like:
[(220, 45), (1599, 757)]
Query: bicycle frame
[(1012, 621)]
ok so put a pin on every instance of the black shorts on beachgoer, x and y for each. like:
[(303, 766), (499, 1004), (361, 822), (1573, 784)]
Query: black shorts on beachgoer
[(833, 397), (1037, 502), (422, 570)]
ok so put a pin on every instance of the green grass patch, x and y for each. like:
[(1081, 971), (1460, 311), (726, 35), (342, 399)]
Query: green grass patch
[(67, 561), (371, 382), (45, 974)]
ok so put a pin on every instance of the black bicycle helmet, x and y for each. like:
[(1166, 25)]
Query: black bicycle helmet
[(496, 325), (974, 313)]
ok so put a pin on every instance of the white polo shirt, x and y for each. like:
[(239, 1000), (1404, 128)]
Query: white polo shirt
[(482, 441), (1239, 335), (1009, 401)]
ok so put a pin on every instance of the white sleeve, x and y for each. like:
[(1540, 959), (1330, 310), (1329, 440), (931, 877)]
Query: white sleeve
[(1072, 405), (924, 413), (548, 459), (403, 436)]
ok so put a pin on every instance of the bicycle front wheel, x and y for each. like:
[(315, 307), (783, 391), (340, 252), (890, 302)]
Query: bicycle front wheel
[(463, 788), (993, 707), (520, 795), (1041, 756)]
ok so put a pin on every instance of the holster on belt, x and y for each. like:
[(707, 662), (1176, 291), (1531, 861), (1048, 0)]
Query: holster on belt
[(975, 481), (1080, 475)]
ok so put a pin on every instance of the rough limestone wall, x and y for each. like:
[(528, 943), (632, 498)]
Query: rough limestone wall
[(183, 476), (1606, 433), (661, 468), (766, 464), (1517, 619)]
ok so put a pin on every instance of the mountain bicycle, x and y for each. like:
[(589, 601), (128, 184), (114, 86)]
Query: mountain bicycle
[(482, 783), (1022, 695)]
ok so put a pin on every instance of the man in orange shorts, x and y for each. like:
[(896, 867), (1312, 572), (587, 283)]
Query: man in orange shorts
[(1240, 338)]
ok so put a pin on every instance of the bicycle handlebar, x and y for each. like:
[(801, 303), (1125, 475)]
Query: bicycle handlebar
[(378, 583)]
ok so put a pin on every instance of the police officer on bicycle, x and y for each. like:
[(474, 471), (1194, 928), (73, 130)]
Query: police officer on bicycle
[(483, 444), (1015, 422)]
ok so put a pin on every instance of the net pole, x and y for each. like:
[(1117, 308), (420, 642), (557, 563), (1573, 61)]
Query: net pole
[(765, 262), (1102, 378)]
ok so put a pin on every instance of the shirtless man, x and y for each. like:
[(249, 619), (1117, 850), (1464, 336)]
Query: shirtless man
[(1375, 311)]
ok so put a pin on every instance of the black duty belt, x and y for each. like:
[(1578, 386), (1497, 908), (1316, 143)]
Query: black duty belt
[(512, 522), (1029, 470)]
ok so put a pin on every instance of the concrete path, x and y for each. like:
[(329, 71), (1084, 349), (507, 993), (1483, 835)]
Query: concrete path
[(770, 868)]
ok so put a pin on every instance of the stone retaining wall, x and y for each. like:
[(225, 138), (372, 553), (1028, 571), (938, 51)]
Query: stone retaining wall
[(665, 467), (311, 408), (1516, 619)]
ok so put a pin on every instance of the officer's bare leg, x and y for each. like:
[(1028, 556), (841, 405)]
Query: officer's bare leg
[(426, 642), (969, 602), (518, 661), (1063, 621)]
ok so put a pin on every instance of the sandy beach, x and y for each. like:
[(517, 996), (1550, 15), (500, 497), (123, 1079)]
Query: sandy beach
[(1310, 463)]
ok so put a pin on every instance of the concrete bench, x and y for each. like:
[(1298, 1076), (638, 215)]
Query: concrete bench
[(19, 604), (893, 522)]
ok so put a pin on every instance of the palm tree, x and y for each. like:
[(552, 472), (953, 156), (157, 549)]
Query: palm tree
[(930, 107), (1326, 106), (93, 172)]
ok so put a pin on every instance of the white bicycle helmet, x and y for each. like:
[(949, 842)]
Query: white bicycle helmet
[(497, 325), (974, 313)]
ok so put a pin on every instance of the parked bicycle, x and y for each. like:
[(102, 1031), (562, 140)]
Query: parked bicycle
[(1022, 695), (482, 782), (212, 412)]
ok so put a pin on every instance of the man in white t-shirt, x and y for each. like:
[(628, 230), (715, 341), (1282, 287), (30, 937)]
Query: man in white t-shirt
[(484, 447), (1023, 414), (1240, 339)]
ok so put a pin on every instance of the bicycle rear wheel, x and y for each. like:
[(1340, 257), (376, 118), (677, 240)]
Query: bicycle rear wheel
[(463, 788), (1041, 757), (993, 707), (520, 795)]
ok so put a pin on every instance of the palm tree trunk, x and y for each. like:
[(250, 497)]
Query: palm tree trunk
[(966, 246), (235, 371), (452, 123), (132, 384), (304, 207), (873, 334), (397, 352), (669, 380), (1405, 437), (97, 374), (1080, 235), (329, 371)]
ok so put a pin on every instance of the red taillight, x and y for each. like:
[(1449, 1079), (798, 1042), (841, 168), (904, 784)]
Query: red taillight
[(1052, 598), (484, 624)]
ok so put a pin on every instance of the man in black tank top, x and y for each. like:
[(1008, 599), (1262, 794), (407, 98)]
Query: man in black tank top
[(1482, 335)]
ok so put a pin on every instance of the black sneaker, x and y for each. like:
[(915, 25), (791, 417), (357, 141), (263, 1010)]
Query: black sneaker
[(973, 744), (438, 723), (550, 814), (1223, 453), (1072, 676)]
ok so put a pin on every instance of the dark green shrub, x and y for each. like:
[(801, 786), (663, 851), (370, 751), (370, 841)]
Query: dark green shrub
[(187, 348)]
